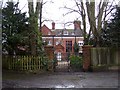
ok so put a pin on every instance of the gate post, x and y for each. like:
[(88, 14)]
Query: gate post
[(86, 57), (50, 53)]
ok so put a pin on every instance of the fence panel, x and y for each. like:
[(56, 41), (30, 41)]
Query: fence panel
[(104, 56), (23, 62)]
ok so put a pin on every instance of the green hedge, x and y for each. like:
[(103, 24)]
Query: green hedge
[(76, 61)]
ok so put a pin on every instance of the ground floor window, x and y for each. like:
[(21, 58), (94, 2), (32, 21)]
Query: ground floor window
[(68, 46), (59, 56)]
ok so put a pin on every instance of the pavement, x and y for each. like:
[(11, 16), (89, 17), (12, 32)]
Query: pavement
[(107, 79)]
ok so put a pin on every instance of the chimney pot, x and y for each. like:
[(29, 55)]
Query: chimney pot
[(53, 25), (77, 25)]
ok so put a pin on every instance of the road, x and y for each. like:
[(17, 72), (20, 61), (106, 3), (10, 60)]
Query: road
[(61, 80)]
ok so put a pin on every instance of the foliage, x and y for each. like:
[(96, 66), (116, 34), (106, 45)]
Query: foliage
[(14, 28), (36, 36), (76, 61), (111, 35), (76, 47)]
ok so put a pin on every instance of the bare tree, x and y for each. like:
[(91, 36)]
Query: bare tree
[(87, 10)]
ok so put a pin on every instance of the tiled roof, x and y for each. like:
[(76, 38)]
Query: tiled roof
[(63, 32), (67, 32)]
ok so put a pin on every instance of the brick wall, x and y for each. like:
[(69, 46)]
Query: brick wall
[(63, 42), (46, 30)]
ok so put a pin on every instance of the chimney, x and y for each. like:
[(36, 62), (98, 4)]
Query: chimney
[(77, 25), (53, 25)]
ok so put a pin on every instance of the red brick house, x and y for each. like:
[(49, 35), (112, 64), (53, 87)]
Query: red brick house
[(63, 39)]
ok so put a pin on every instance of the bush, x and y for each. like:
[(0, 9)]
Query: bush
[(76, 62)]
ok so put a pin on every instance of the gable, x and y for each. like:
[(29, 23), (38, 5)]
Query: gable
[(59, 46), (45, 30)]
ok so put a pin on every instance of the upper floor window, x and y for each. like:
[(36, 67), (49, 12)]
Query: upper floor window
[(65, 32), (57, 42), (68, 46), (49, 42), (80, 43), (73, 33), (49, 33)]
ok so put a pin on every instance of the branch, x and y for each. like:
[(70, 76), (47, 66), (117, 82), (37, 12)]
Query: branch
[(1, 4), (71, 10), (88, 11), (106, 14), (89, 34), (110, 10), (83, 18), (110, 5), (77, 6), (44, 3), (23, 7), (46, 20), (99, 5), (100, 14)]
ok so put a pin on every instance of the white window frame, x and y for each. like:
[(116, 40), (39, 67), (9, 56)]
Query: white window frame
[(49, 42), (59, 56)]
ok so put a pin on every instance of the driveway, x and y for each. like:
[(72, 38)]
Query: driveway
[(61, 80)]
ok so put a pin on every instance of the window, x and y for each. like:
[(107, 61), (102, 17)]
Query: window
[(57, 42), (68, 46), (80, 43), (49, 42), (49, 33), (59, 56), (73, 33), (65, 32)]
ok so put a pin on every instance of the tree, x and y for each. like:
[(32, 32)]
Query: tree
[(111, 34), (76, 48), (87, 11), (36, 36), (14, 27)]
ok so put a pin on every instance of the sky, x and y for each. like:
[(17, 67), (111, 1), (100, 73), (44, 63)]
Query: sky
[(53, 11)]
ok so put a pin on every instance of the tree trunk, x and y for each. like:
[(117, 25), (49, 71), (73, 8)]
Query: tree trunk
[(35, 37)]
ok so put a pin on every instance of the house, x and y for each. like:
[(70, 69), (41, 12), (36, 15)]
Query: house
[(63, 39)]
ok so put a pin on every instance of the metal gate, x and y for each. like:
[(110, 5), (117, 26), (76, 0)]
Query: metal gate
[(63, 63)]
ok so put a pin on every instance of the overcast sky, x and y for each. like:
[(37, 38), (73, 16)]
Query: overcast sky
[(53, 11)]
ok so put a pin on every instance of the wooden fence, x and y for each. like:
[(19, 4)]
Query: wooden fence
[(105, 56), (26, 63)]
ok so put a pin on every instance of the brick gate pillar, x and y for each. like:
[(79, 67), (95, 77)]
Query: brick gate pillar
[(50, 53), (86, 57)]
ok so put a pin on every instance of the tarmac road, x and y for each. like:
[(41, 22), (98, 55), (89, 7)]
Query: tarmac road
[(61, 80)]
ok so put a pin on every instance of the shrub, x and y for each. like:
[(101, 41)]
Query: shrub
[(76, 61)]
